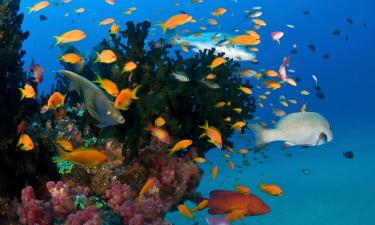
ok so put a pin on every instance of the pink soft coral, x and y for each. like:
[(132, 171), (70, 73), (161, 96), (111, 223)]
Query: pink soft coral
[(88, 216)]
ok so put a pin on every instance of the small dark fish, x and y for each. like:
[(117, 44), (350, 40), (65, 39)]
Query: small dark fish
[(336, 32), (42, 18), (320, 95), (196, 223), (349, 20), (306, 12), (294, 51), (312, 47), (316, 87), (306, 171), (326, 56), (346, 38), (348, 155), (364, 24), (297, 79)]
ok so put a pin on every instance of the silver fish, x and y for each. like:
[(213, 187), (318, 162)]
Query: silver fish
[(96, 102), (246, 72), (210, 84), (180, 76), (302, 128)]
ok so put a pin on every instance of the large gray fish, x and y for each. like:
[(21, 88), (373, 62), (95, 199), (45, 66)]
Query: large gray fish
[(96, 102), (302, 128)]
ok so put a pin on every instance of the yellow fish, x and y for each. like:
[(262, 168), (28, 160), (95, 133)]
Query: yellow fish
[(218, 12), (272, 84), (213, 134), (259, 22), (231, 165), (185, 211), (72, 58), (214, 172), (70, 36), (238, 110), (159, 122), (27, 92), (175, 21), (237, 214), (65, 144), (109, 86), (124, 99), (38, 6), (228, 119), (180, 145), (129, 66), (272, 73), (106, 56), (199, 160), (148, 185), (82, 156), (114, 28), (79, 10), (245, 90), (243, 151), (304, 92), (220, 104), (217, 62), (238, 125), (55, 100), (242, 189), (303, 108), (25, 143), (243, 40), (200, 206), (271, 189), (106, 21)]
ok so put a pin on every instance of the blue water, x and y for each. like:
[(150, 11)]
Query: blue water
[(338, 190)]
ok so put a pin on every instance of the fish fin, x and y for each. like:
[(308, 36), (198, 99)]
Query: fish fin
[(205, 125), (30, 10), (22, 93), (261, 137), (98, 79), (134, 92), (217, 220), (97, 57), (58, 40), (219, 193), (163, 26), (287, 145), (202, 135)]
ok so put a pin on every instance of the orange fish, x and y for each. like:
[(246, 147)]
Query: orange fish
[(218, 12), (185, 211), (72, 58), (109, 86), (243, 151), (106, 56), (114, 28), (111, 2), (65, 144), (231, 165), (242, 189), (82, 156), (125, 98), (38, 6), (243, 40), (27, 92), (70, 36), (106, 21), (245, 90), (55, 100), (175, 21), (238, 125), (200, 206), (199, 160), (271, 189), (272, 84), (214, 172), (213, 134), (23, 125), (237, 214), (217, 62), (25, 143), (160, 133), (180, 145), (148, 185), (129, 66), (221, 202)]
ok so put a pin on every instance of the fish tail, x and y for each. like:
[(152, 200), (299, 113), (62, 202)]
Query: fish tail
[(149, 127), (140, 199), (163, 26), (58, 40), (261, 136), (22, 93), (171, 151), (230, 40), (134, 92), (205, 125), (97, 57), (98, 79), (30, 10)]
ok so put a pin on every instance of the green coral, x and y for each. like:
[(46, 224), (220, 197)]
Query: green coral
[(81, 202), (63, 167)]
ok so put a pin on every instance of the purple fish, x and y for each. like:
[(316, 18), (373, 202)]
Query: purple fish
[(37, 70), (217, 220)]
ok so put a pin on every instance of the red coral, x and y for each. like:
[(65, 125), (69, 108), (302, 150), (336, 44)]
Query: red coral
[(117, 195), (33, 211), (88, 216)]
